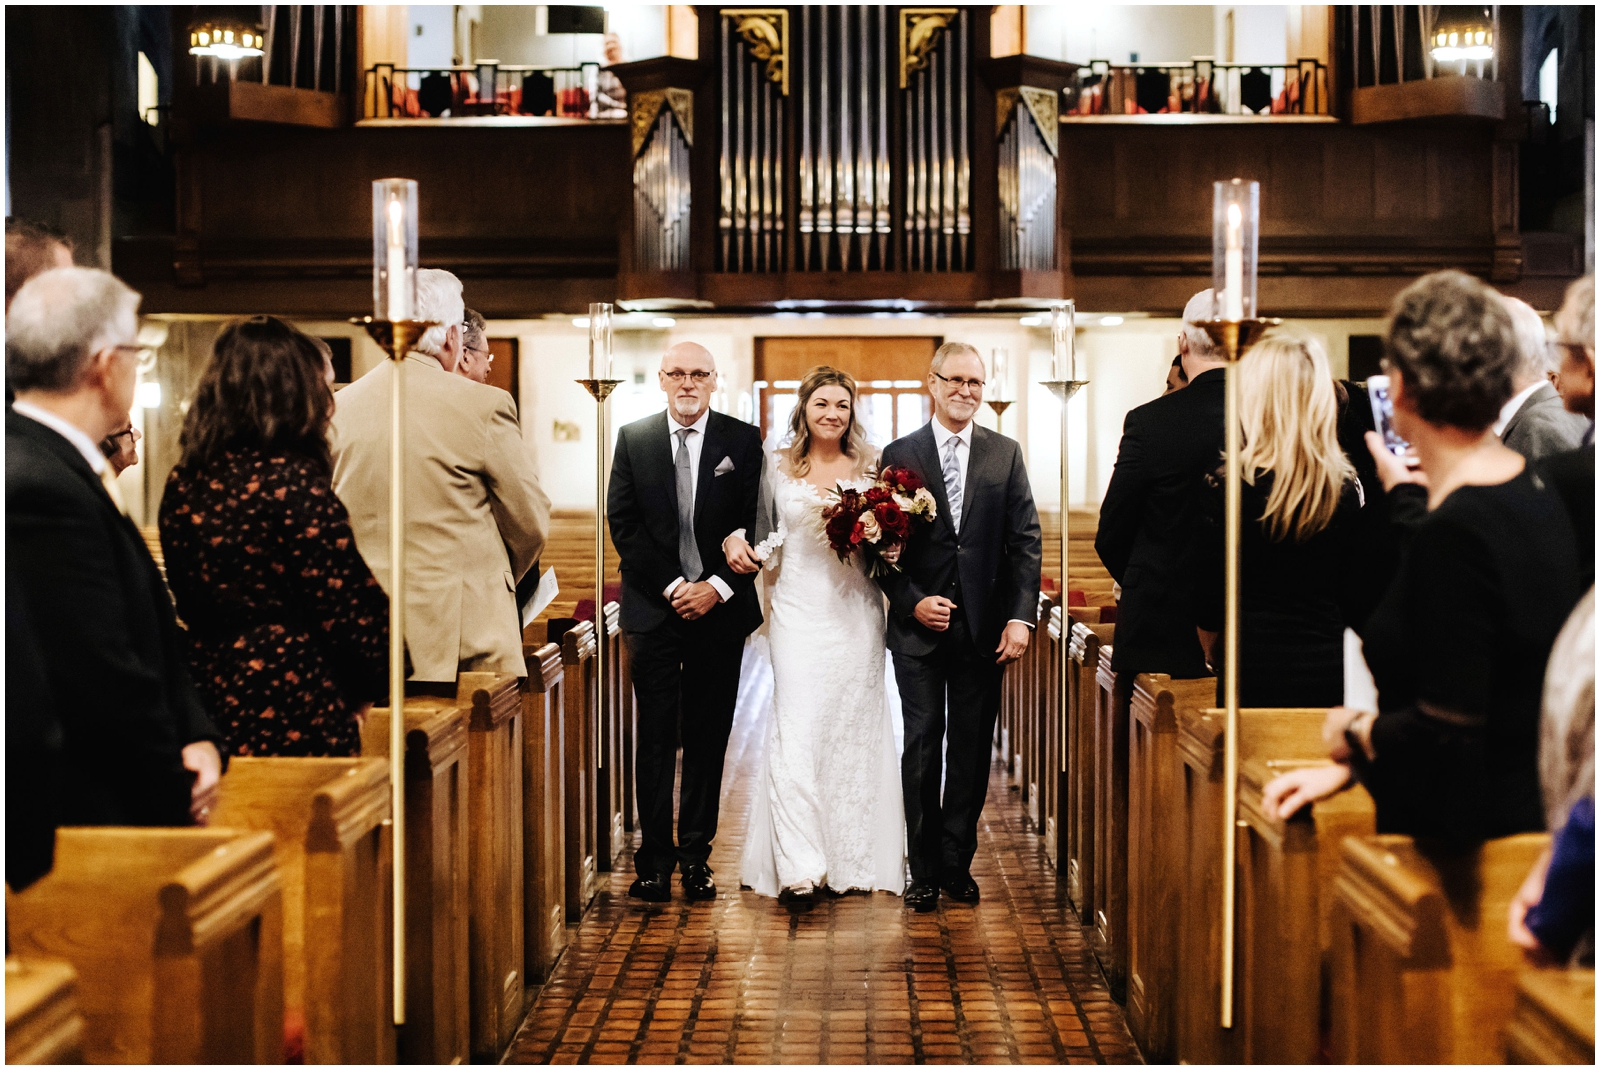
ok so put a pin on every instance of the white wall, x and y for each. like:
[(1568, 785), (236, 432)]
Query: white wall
[(1082, 32), (430, 36), (1260, 32), (511, 34)]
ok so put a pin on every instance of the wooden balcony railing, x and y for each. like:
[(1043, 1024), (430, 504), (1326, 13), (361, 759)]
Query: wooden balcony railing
[(492, 88), (1199, 87)]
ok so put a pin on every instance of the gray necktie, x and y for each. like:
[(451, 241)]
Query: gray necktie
[(688, 549), (952, 481)]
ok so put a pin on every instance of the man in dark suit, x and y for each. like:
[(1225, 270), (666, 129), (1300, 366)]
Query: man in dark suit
[(1534, 422), (1149, 512), (961, 607), (1572, 473), (136, 743), (681, 482)]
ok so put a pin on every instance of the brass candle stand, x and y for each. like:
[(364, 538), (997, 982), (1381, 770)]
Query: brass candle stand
[(1064, 390), (999, 409), (600, 390), (396, 337), (1234, 338)]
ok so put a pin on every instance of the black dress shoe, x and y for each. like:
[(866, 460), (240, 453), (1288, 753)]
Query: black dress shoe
[(652, 887), (960, 887), (697, 882), (922, 896)]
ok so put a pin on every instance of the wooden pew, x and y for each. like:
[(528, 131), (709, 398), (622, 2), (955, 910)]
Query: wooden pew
[(1109, 937), (579, 692), (1553, 1022), (1077, 859), (494, 857), (329, 818), (1200, 1037), (543, 812), (1155, 818), (1423, 969), (437, 1004), (615, 701), (1286, 877), (42, 1020), (176, 936)]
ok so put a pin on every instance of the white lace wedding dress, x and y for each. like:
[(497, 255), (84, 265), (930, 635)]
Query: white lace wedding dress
[(827, 810)]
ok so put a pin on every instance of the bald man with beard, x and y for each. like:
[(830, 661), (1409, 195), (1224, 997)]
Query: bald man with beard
[(681, 482)]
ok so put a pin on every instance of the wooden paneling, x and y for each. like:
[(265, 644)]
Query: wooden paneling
[(43, 1025), (865, 358)]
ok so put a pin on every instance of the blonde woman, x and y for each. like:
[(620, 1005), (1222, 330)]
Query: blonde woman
[(827, 811), (1300, 500)]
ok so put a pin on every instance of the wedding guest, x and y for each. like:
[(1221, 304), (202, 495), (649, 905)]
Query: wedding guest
[(475, 356), (1534, 421), (1459, 643), (1552, 914), (1298, 532), (135, 737), (121, 447), (1177, 378), (681, 481), (477, 517), (32, 248), (1572, 473), (1377, 545), (288, 630), (1150, 509)]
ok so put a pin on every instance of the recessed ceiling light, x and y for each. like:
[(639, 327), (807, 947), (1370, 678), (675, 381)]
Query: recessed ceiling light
[(581, 321), (663, 322), (1111, 321), (1032, 321)]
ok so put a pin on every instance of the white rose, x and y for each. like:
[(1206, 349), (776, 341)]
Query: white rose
[(925, 502), (903, 502), (869, 527)]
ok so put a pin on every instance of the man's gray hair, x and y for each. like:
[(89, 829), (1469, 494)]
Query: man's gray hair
[(59, 319), (439, 299), (1575, 321), (1534, 356), (1202, 306), (952, 349)]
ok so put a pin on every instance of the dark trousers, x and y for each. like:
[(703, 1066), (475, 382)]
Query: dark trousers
[(682, 666), (942, 834)]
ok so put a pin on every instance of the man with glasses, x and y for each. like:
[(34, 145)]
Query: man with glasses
[(121, 447), (681, 481), (961, 607), (475, 356), (137, 746), (1533, 421)]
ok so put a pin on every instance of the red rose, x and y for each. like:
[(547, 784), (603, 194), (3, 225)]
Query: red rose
[(877, 494), (855, 532), (893, 519)]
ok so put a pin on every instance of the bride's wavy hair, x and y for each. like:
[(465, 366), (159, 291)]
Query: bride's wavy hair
[(797, 456)]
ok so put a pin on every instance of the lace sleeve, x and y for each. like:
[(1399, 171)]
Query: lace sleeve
[(769, 531)]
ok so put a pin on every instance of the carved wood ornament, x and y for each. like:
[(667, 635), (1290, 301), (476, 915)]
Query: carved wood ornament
[(646, 106), (1042, 103), (920, 31), (766, 33)]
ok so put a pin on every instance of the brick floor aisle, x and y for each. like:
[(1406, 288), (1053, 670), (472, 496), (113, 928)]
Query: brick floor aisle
[(857, 979)]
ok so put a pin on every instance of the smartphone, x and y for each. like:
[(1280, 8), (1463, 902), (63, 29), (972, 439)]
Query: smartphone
[(1383, 416)]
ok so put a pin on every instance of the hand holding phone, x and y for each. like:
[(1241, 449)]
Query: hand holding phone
[(1383, 418)]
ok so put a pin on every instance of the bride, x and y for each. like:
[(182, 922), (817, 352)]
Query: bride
[(827, 811)]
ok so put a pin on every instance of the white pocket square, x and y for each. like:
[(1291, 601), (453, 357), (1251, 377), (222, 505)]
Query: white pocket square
[(724, 467)]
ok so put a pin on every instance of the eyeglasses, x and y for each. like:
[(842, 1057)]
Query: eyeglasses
[(118, 434), (136, 349), (958, 383), (697, 377)]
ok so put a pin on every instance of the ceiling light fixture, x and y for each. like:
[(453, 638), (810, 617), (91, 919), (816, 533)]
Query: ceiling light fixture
[(581, 322), (226, 36), (1111, 321), (1032, 321), (663, 322), (1461, 35)]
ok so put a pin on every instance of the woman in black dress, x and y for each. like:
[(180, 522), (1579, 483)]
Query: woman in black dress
[(1299, 503), (1458, 645), (288, 630)]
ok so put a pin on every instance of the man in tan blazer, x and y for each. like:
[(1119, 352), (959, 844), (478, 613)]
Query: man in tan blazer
[(476, 517)]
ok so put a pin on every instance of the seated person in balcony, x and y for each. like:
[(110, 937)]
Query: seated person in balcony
[(136, 739), (476, 517), (1534, 422), (1458, 645), (475, 355), (288, 631), (1150, 510)]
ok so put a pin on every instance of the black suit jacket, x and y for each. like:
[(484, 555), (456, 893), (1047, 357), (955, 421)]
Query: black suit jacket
[(107, 636), (1572, 476), (643, 507), (1148, 519), (990, 568)]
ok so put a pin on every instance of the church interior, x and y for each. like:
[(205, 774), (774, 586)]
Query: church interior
[(845, 185)]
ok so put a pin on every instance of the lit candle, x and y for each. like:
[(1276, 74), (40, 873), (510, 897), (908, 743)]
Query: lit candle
[(394, 249), (600, 341), (998, 360), (399, 293), (1233, 267), (1062, 358)]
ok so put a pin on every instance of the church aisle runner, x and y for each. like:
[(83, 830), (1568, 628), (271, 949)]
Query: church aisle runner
[(856, 979)]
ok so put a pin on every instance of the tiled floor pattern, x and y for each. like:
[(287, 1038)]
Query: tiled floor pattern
[(856, 979)]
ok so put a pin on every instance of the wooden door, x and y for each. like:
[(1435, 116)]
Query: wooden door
[(503, 370), (891, 379)]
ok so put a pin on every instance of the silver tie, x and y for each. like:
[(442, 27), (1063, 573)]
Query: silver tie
[(688, 548), (952, 481)]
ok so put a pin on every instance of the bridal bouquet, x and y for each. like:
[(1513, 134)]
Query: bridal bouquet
[(877, 519)]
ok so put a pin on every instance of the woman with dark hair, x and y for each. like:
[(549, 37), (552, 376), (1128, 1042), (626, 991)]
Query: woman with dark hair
[(1458, 644), (288, 630)]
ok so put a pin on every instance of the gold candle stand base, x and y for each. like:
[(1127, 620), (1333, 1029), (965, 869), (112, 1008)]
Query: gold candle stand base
[(1064, 390)]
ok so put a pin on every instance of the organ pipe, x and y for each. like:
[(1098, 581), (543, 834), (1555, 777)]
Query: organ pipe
[(661, 197)]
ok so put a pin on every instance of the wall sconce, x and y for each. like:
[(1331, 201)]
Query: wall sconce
[(227, 37), (1461, 35)]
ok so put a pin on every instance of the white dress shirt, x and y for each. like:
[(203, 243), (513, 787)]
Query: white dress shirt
[(1509, 409), (941, 440), (67, 430), (694, 442)]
